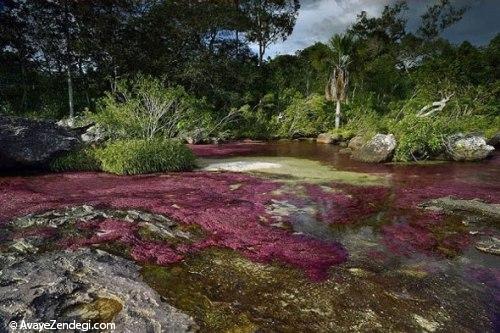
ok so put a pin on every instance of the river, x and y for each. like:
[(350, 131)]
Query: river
[(287, 236)]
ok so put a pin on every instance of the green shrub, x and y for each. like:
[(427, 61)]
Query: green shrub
[(306, 117), (136, 156), (419, 137), (79, 160), (145, 108), (343, 133)]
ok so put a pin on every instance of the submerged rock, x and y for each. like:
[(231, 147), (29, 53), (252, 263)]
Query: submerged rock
[(379, 149), (241, 166), (26, 143), (82, 286), (460, 147), (475, 206), (495, 140), (346, 151), (489, 245)]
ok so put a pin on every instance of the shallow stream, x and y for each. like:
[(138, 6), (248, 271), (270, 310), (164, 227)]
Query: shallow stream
[(287, 237)]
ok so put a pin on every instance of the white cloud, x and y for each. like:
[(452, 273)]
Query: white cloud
[(318, 20)]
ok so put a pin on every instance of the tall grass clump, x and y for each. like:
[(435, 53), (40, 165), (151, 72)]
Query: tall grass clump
[(139, 156), (79, 160)]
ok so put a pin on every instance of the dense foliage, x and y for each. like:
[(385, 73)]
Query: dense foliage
[(147, 69), (79, 160), (131, 157)]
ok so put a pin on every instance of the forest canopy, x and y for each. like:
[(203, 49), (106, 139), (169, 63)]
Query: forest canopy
[(69, 57)]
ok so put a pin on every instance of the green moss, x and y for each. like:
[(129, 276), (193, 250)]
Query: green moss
[(226, 292), (130, 157), (343, 133), (101, 310)]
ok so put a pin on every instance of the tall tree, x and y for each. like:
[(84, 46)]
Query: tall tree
[(439, 17), (270, 21), (336, 89)]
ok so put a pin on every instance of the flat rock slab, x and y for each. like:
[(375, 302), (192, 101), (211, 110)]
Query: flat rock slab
[(82, 286), (475, 206)]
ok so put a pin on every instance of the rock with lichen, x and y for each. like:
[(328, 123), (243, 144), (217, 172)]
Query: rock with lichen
[(85, 286), (379, 149), (460, 147)]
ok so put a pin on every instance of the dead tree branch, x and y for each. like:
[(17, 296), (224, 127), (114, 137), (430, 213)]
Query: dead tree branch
[(430, 109)]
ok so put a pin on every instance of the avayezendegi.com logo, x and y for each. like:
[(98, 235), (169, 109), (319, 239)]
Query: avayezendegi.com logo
[(53, 325)]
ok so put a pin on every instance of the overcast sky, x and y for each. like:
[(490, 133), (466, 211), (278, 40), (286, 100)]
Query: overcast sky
[(319, 19)]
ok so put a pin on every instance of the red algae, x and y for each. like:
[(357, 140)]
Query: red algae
[(159, 254), (231, 218), (228, 149), (231, 207), (428, 233), (343, 204)]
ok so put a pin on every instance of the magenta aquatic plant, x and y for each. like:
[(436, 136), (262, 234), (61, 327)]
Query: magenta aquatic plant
[(230, 209), (232, 217), (429, 233), (343, 203), (228, 149)]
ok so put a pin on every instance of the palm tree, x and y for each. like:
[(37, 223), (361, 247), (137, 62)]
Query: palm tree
[(342, 47)]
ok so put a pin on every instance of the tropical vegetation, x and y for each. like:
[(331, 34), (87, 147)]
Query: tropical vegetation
[(147, 70)]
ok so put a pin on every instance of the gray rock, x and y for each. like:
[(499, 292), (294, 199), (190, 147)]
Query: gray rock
[(490, 245), (379, 149), (472, 147), (345, 151), (26, 143), (475, 207), (82, 286), (356, 143), (495, 140), (327, 138), (157, 224), (94, 135)]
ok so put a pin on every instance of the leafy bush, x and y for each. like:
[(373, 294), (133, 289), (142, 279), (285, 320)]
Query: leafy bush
[(79, 160), (306, 117), (137, 156), (343, 133), (419, 137), (144, 108)]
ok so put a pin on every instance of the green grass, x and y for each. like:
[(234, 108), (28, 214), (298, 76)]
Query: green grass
[(79, 160), (132, 157)]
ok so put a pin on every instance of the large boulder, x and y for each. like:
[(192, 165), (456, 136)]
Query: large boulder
[(84, 286), (379, 149), (27, 143), (471, 147), (356, 143), (495, 140), (327, 138)]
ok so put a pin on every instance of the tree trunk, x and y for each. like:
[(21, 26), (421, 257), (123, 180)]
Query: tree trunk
[(70, 94), (337, 115), (24, 102), (261, 53), (68, 61)]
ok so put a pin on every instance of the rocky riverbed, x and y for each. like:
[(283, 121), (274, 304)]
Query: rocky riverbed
[(292, 237)]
